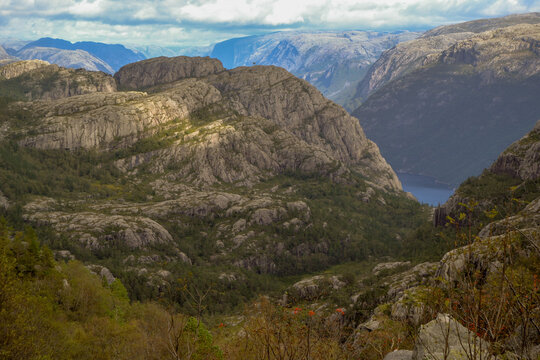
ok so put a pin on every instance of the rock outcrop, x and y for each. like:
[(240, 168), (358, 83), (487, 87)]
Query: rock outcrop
[(522, 158), (446, 339), (520, 161), (163, 70), (20, 67)]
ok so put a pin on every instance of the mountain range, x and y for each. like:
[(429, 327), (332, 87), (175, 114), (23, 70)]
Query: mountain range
[(332, 61), (438, 99), (88, 55)]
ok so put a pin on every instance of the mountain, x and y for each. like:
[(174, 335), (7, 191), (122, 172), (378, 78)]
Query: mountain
[(332, 61), (475, 97), (411, 55), (115, 55), (192, 168), (66, 58), (3, 54)]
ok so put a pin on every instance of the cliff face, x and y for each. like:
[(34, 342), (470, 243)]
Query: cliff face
[(238, 155), (477, 95)]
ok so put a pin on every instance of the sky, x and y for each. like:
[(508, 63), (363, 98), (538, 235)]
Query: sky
[(203, 22)]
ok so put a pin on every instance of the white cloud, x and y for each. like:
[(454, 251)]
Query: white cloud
[(204, 21)]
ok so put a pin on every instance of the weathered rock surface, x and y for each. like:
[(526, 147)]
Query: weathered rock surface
[(96, 230), (478, 26), (163, 70), (446, 339), (399, 355), (257, 122), (314, 287), (388, 266), (411, 55), (103, 272)]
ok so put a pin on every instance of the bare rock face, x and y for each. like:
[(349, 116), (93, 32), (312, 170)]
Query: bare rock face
[(399, 355), (163, 70), (236, 126), (97, 230)]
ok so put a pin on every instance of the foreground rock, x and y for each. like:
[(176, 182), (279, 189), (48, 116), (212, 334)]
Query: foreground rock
[(446, 339)]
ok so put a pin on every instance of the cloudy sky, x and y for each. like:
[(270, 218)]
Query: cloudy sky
[(202, 22)]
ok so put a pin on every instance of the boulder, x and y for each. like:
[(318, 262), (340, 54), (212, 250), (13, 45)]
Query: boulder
[(446, 339), (399, 355)]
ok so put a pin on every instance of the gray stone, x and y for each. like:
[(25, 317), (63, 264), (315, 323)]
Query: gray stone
[(399, 355), (446, 339)]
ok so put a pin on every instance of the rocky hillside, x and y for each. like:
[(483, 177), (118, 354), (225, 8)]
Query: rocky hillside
[(476, 96), (332, 61), (196, 168)]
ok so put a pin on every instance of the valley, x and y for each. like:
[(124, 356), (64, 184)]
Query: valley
[(228, 207)]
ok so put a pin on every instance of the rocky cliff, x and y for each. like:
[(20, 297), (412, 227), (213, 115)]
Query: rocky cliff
[(475, 95)]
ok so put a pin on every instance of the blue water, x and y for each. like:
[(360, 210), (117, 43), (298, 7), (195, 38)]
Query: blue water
[(426, 189)]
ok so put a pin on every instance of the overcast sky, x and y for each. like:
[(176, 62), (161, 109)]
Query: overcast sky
[(202, 22)]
